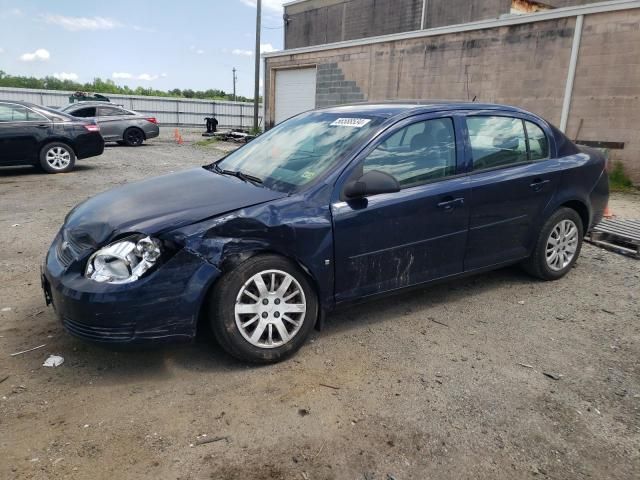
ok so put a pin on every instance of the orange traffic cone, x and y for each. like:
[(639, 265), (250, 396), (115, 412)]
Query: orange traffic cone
[(177, 137)]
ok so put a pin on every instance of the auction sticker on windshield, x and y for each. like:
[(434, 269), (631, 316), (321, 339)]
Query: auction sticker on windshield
[(350, 122)]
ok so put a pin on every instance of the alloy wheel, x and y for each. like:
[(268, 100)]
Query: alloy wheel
[(134, 137), (58, 157), (562, 245), (270, 309)]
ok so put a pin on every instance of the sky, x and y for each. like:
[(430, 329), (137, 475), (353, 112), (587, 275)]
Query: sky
[(151, 43)]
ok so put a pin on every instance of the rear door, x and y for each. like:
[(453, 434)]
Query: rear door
[(512, 180), (394, 240), (112, 121), (21, 133)]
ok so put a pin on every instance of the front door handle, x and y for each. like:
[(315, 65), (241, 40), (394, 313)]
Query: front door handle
[(43, 125), (538, 183), (449, 203)]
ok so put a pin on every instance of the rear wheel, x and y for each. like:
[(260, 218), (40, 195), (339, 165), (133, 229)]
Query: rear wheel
[(263, 310), (133, 137), (57, 157), (558, 245)]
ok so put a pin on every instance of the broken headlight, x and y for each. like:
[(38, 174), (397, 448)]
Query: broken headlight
[(124, 261)]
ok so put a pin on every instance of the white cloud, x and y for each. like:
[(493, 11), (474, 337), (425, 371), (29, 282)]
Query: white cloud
[(275, 5), (39, 54), (264, 48), (242, 53), (199, 51), (267, 48), (66, 76), (75, 24), (146, 77), (1, 50)]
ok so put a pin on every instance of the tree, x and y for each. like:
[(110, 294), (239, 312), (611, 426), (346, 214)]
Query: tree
[(107, 86)]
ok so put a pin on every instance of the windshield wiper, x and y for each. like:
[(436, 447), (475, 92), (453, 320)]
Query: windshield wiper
[(245, 177)]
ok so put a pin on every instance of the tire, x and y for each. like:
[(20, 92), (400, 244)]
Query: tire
[(57, 157), (231, 309), (542, 263), (133, 137)]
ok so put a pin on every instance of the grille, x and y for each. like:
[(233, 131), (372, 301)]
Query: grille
[(119, 333), (68, 249)]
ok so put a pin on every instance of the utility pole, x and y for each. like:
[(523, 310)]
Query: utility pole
[(256, 90), (234, 83)]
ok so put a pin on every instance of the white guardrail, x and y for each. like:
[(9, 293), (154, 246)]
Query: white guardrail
[(169, 111)]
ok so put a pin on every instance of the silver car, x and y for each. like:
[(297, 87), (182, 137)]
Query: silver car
[(117, 124)]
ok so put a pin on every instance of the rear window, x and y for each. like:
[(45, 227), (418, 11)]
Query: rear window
[(110, 112), (538, 143)]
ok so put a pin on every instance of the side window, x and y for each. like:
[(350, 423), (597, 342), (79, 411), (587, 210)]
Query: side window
[(84, 112), (496, 141), (6, 113), (110, 111), (418, 153), (36, 117), (538, 143), (13, 113)]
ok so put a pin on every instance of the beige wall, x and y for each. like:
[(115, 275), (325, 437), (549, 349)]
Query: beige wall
[(524, 65), (606, 94)]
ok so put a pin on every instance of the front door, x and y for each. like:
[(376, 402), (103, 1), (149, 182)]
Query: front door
[(21, 132), (394, 240), (512, 180)]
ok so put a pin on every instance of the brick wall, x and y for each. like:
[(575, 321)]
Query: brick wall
[(523, 65)]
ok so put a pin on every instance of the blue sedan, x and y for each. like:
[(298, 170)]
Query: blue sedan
[(330, 207)]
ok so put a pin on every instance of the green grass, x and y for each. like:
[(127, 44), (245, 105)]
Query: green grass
[(618, 179), (207, 142)]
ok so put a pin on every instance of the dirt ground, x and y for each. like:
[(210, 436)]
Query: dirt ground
[(444, 382)]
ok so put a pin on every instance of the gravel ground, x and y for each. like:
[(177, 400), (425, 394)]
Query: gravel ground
[(444, 382)]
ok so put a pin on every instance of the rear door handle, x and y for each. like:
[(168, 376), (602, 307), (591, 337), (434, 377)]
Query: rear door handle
[(538, 183), (449, 203), (43, 125)]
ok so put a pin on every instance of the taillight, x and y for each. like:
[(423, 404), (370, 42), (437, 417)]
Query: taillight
[(151, 119), (92, 128)]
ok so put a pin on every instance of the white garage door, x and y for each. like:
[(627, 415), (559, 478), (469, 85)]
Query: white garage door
[(295, 92)]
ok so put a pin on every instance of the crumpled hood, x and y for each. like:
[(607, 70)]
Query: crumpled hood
[(160, 204)]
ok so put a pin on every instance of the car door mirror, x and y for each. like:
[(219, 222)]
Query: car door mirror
[(374, 182)]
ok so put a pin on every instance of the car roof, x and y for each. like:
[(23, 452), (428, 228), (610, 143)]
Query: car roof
[(19, 102), (392, 109), (92, 103)]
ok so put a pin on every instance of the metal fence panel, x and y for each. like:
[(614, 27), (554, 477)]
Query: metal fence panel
[(168, 111)]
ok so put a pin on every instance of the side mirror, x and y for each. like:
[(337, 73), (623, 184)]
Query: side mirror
[(374, 182)]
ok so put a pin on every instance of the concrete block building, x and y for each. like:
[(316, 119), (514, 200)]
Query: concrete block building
[(575, 62)]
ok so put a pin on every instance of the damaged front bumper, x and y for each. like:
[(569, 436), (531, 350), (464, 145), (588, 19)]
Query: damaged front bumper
[(161, 307)]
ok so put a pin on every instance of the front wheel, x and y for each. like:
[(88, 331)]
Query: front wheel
[(263, 310), (558, 245)]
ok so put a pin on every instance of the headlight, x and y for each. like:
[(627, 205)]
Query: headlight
[(124, 261)]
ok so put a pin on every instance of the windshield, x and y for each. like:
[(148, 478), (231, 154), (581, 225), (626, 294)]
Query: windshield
[(301, 149)]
